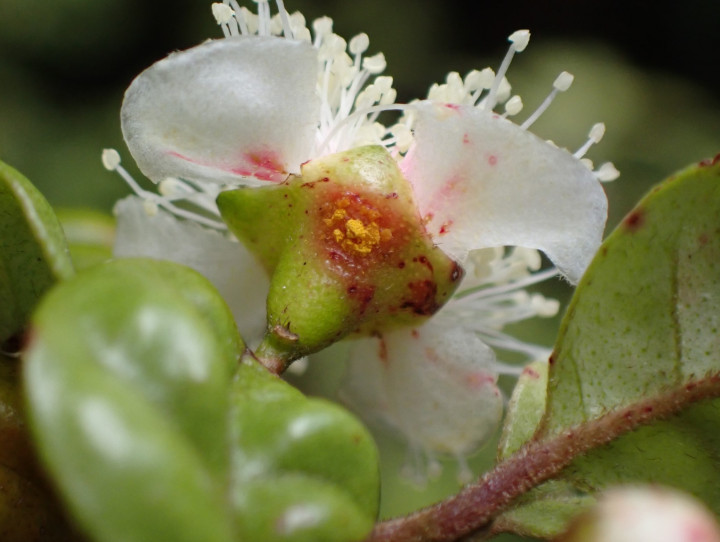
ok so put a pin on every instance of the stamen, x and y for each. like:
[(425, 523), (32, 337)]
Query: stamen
[(287, 28), (513, 106), (355, 115), (596, 134), (518, 41), (561, 84), (264, 18), (322, 27), (607, 172), (111, 161), (240, 18), (224, 15), (485, 292), (374, 64)]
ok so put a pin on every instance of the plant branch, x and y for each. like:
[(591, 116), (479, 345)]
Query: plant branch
[(475, 506)]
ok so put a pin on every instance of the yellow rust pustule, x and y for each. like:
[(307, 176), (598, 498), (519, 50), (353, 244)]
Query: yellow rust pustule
[(357, 233)]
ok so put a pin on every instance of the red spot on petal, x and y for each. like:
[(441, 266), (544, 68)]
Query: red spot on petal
[(492, 160), (530, 372), (479, 380), (261, 164), (383, 351), (454, 107), (466, 139), (445, 228), (432, 355), (415, 334)]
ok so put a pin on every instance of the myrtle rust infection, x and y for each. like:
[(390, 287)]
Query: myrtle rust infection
[(422, 298), (359, 231)]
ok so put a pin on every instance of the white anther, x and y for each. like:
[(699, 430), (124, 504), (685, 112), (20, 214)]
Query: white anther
[(388, 97), (514, 105), (607, 172), (322, 26), (563, 81), (587, 163), (150, 207), (276, 25), (359, 44), (375, 64), (223, 13), (403, 137), (597, 132), (171, 187), (544, 307), (383, 83), (519, 40), (110, 159), (503, 91)]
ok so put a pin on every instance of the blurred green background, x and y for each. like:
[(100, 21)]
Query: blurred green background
[(646, 69)]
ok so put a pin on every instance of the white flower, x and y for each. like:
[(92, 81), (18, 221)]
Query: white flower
[(249, 109)]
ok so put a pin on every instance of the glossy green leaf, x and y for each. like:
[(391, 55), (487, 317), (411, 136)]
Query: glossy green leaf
[(33, 251), (127, 383), (153, 430), (90, 235), (643, 323), (282, 429), (284, 441)]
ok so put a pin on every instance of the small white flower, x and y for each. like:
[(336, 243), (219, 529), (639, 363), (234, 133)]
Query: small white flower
[(249, 109)]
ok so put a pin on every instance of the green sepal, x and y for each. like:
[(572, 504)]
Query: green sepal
[(33, 251)]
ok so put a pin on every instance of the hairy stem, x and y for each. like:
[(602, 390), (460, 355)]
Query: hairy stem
[(475, 507)]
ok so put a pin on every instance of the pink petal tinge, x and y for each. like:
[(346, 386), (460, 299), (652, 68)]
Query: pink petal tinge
[(238, 110), (482, 181)]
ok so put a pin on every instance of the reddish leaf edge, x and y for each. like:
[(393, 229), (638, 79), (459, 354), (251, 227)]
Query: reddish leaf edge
[(473, 509)]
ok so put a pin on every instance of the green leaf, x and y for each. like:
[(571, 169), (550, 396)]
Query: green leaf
[(642, 329), (546, 510), (274, 430), (33, 251), (152, 430), (126, 385)]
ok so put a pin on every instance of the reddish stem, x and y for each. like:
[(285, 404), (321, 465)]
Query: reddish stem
[(476, 506)]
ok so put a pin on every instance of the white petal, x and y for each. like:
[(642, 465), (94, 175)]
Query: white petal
[(436, 384), (224, 111), (482, 181), (227, 264)]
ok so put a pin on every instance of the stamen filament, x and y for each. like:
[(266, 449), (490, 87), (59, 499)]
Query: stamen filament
[(352, 117)]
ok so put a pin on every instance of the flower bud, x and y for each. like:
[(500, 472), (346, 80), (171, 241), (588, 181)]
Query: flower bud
[(644, 514)]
